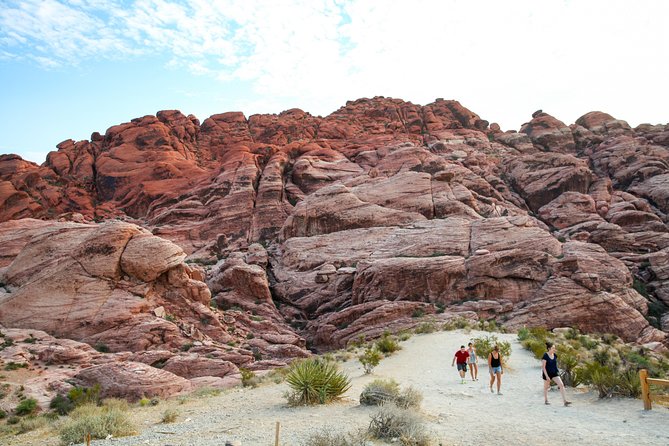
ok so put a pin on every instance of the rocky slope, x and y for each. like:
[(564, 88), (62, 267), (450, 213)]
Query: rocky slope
[(321, 230)]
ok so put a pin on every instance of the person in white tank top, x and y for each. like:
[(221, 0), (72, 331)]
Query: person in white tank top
[(473, 362)]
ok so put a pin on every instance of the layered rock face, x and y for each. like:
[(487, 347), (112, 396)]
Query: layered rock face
[(321, 230)]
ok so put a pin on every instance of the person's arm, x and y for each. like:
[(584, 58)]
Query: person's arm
[(490, 360), (501, 362), (543, 368), (453, 362)]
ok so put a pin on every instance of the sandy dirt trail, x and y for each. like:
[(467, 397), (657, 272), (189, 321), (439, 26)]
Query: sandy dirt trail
[(457, 414)]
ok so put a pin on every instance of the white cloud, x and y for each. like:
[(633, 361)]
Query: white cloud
[(501, 59)]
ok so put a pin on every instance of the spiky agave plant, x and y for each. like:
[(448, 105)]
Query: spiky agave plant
[(315, 381)]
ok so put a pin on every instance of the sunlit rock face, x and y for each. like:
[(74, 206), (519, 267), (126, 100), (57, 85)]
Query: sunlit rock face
[(300, 231)]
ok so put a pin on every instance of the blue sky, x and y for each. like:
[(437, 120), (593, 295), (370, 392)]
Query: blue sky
[(72, 67)]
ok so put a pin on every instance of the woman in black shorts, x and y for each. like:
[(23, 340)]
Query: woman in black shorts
[(549, 371)]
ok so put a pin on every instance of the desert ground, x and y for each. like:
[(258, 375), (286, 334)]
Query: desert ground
[(455, 413)]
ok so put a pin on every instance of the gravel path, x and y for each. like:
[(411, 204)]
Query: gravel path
[(457, 414)]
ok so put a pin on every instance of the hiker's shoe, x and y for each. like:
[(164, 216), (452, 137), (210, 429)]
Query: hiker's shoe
[(492, 391), (567, 403), (499, 393), (547, 403)]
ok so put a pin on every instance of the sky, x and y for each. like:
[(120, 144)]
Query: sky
[(69, 68)]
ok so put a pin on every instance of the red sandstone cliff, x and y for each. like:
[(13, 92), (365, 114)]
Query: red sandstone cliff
[(331, 228)]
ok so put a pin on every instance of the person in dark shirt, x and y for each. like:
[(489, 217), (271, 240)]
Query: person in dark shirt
[(549, 371), (495, 367), (461, 357)]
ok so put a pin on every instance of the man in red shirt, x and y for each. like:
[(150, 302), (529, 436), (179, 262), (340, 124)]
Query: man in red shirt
[(461, 356)]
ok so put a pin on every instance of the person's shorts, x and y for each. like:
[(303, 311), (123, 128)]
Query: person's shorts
[(550, 375), (462, 367), (494, 370)]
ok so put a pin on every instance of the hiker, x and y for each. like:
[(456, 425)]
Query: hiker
[(495, 367), (473, 362), (549, 371), (461, 356)]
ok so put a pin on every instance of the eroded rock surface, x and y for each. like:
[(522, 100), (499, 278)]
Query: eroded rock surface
[(304, 230)]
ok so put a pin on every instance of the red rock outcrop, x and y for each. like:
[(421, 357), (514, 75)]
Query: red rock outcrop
[(381, 210)]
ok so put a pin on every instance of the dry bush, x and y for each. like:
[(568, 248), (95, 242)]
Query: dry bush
[(392, 422), (98, 421), (379, 392)]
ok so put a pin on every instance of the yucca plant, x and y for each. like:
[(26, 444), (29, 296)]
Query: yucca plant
[(315, 381)]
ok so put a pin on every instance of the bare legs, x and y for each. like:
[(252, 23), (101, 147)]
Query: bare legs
[(499, 380), (474, 371), (558, 381)]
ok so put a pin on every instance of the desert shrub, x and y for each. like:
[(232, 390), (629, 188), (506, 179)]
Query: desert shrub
[(485, 344), (102, 348), (523, 334), (403, 335), (609, 339), (387, 345), (409, 398), (628, 384), (61, 405), (425, 328), (326, 437), (3, 414), (84, 395), (26, 407), (536, 346), (370, 359), (98, 421), (11, 365), (587, 342), (392, 423), (30, 424), (602, 356), (144, 402), (379, 391), (315, 381), (249, 378), (169, 416), (572, 334), (568, 361), (599, 376)]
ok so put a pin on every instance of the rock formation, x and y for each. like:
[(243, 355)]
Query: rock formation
[(317, 231)]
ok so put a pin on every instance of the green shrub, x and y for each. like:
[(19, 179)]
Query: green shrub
[(248, 377), (15, 366), (425, 328), (536, 346), (572, 334), (102, 348), (628, 384), (84, 395), (61, 404), (600, 377), (388, 345), (26, 407), (418, 312), (29, 424), (98, 421), (485, 344), (587, 342), (370, 359), (404, 335), (602, 356), (395, 424), (523, 334), (379, 392), (568, 361), (314, 381)]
